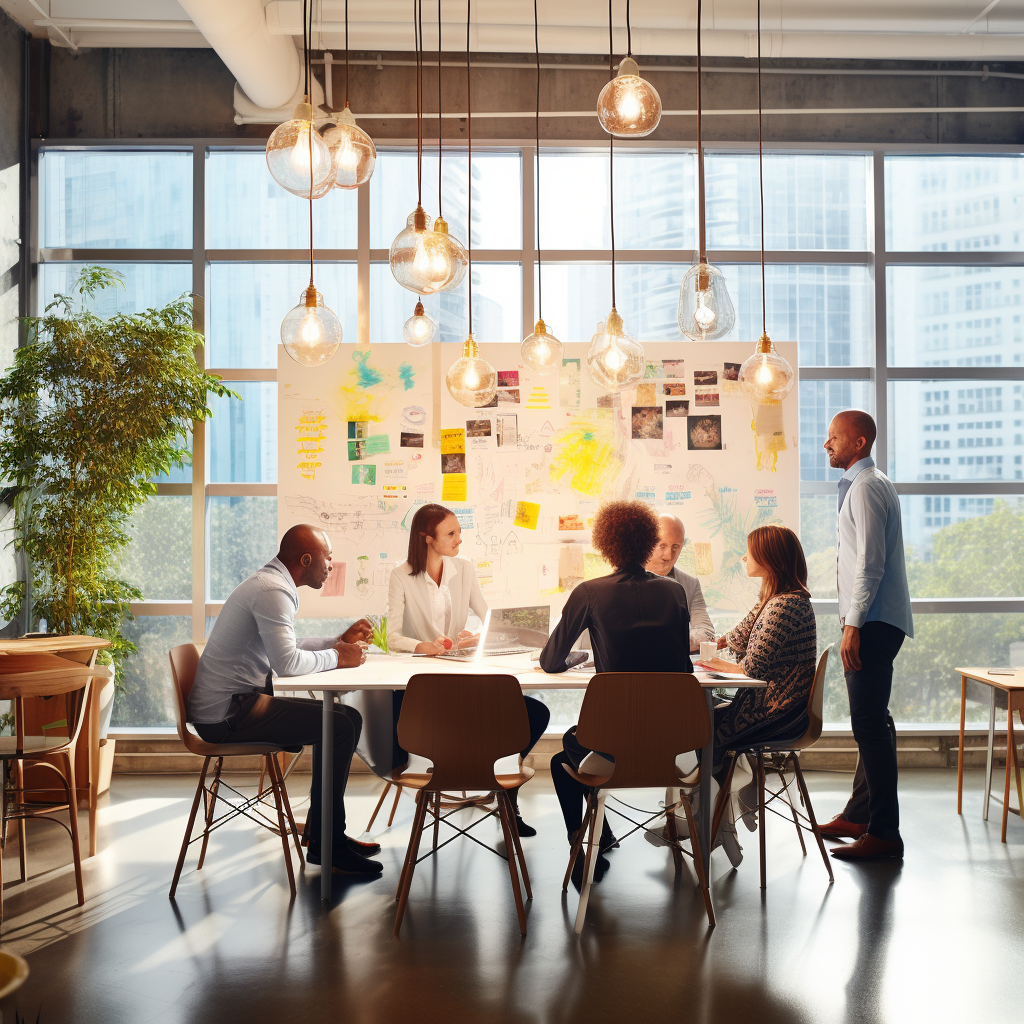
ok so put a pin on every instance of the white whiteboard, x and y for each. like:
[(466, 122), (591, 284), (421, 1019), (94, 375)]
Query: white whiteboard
[(347, 461)]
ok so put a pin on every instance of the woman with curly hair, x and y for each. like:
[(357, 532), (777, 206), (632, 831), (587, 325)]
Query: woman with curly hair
[(638, 622)]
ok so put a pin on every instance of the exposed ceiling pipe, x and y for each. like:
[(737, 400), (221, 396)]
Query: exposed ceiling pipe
[(267, 67)]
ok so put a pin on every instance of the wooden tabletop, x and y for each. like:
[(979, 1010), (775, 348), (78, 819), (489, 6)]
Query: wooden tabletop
[(982, 675), (52, 644)]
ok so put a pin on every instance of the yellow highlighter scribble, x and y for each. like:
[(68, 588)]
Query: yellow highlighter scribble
[(310, 442), (586, 452)]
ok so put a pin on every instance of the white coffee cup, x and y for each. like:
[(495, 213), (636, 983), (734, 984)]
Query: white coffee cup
[(708, 650)]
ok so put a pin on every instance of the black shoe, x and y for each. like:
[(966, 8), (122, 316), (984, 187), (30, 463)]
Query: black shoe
[(600, 868), (608, 841), (347, 862), (363, 849), (525, 831)]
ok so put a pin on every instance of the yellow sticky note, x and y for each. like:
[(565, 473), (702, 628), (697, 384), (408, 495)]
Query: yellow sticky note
[(527, 514), (454, 487), (453, 441)]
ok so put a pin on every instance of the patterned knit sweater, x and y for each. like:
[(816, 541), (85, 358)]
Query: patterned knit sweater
[(778, 642)]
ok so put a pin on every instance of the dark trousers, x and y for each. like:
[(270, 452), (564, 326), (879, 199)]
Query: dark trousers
[(571, 794), (295, 722), (874, 800)]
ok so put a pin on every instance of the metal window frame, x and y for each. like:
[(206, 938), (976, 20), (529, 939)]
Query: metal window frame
[(877, 258)]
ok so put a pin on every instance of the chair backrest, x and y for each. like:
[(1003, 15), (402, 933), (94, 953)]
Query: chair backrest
[(184, 664), (816, 699), (463, 724), (644, 720)]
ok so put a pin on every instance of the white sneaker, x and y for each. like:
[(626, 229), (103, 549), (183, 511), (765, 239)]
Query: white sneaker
[(747, 800)]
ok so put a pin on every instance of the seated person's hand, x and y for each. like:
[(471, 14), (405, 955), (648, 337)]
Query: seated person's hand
[(350, 655), (438, 646), (721, 665), (722, 642), (467, 640), (361, 630)]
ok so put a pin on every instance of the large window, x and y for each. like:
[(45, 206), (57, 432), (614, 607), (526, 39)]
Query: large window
[(899, 275)]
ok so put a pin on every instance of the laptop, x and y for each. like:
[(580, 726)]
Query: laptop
[(509, 631)]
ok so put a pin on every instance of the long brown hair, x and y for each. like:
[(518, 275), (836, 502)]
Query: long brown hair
[(778, 551), (424, 524)]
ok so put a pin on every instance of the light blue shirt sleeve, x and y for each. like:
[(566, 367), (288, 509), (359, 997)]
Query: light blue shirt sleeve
[(274, 614), (869, 511)]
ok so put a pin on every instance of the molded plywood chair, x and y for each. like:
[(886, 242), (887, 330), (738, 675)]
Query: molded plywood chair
[(644, 721), (184, 662), (463, 725), (784, 755)]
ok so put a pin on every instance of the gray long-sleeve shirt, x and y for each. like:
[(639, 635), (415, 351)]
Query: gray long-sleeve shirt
[(253, 636), (701, 626)]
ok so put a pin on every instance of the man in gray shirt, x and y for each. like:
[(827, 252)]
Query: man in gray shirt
[(874, 611), (253, 640), (662, 562)]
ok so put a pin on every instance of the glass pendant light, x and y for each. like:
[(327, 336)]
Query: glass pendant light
[(765, 377), (311, 333), (353, 153), (472, 381), (629, 106), (616, 362), (705, 311), (540, 351), (420, 328)]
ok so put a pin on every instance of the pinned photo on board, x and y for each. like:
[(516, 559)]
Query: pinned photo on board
[(508, 430), (705, 377), (646, 394), (478, 428), (673, 390), (365, 474), (674, 367), (358, 428), (508, 378), (705, 398), (510, 396), (647, 423), (731, 371), (704, 433), (677, 408), (453, 462), (409, 440), (356, 451)]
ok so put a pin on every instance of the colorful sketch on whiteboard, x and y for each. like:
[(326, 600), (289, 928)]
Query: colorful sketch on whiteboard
[(587, 454)]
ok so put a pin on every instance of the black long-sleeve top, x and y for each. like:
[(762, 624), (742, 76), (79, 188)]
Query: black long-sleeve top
[(638, 622)]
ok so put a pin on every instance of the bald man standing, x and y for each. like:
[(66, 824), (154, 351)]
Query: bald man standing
[(671, 537), (253, 640), (874, 611)]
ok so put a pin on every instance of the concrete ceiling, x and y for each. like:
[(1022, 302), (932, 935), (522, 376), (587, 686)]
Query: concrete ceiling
[(923, 29)]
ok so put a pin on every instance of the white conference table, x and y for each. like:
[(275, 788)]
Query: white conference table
[(393, 672)]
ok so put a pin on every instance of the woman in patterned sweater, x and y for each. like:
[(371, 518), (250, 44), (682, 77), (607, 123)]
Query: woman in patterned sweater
[(776, 642)]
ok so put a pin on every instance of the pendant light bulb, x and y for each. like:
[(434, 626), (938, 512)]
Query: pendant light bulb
[(472, 381), (705, 309), (288, 155), (615, 360), (420, 328), (420, 258), (310, 332), (353, 153), (455, 254), (629, 107), (766, 378), (541, 351)]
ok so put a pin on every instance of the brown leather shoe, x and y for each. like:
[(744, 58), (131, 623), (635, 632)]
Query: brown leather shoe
[(840, 828), (870, 847)]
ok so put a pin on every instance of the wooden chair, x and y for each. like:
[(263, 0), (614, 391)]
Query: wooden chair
[(784, 755), (184, 662), (463, 724), (644, 721), (43, 676), (1015, 702)]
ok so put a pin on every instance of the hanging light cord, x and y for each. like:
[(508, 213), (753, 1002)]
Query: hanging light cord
[(416, 24), (700, 153), (305, 54), (629, 34), (440, 132), (305, 49), (760, 172), (469, 167), (346, 54), (611, 150), (540, 274)]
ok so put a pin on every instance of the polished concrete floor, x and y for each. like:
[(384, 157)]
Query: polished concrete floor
[(940, 937)]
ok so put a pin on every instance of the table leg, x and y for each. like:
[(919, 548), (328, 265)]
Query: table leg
[(991, 744), (960, 759), (93, 740), (327, 797), (707, 760)]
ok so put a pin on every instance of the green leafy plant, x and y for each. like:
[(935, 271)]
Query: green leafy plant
[(91, 410), (379, 636)]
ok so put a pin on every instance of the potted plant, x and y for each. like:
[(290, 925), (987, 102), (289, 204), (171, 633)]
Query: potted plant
[(90, 412)]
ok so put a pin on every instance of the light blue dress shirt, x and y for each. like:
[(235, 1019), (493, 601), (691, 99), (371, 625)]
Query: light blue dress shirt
[(254, 635), (870, 563)]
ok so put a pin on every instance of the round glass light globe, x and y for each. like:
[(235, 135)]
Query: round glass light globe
[(541, 351), (614, 359), (705, 311), (420, 259), (472, 381), (353, 153), (766, 378), (310, 332), (629, 107), (456, 253), (420, 328), (289, 152)]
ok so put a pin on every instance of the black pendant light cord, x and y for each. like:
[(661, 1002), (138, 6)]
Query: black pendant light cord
[(700, 155), (469, 166), (629, 33), (611, 150), (346, 54), (760, 172), (440, 127), (416, 27), (540, 274), (305, 49)]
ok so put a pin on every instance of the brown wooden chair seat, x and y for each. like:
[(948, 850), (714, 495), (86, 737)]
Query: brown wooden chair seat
[(644, 721), (463, 725), (184, 663)]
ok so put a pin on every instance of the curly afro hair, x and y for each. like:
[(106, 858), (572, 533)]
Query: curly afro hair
[(625, 532)]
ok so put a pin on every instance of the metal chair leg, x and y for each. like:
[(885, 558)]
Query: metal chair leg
[(761, 815)]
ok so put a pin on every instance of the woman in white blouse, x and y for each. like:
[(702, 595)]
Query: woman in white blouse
[(430, 597)]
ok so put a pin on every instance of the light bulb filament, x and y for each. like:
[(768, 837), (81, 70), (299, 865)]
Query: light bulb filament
[(703, 316), (629, 104)]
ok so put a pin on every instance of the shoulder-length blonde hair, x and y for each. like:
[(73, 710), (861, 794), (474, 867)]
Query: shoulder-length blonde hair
[(778, 551)]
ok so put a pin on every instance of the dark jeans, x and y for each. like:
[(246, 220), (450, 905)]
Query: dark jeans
[(571, 794), (295, 722), (874, 800)]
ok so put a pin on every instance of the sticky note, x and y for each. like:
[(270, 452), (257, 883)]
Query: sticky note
[(527, 514), (378, 444), (453, 441), (454, 487)]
